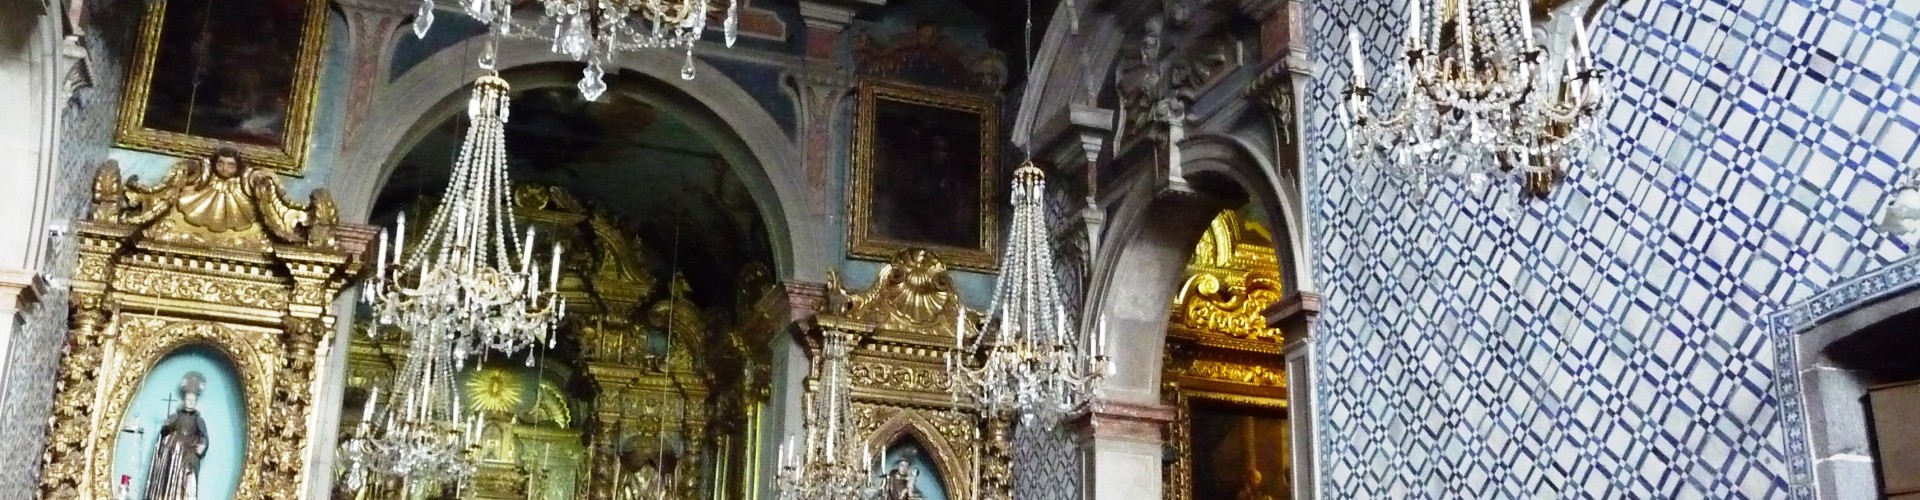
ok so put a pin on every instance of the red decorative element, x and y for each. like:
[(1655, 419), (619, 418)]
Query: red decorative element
[(1123, 421)]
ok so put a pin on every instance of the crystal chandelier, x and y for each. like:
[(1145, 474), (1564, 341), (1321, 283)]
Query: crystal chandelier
[(462, 283), (823, 467), (459, 292), (1480, 102), (1025, 358), (595, 31), (422, 436)]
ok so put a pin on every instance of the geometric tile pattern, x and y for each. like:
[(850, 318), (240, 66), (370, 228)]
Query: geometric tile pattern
[(1603, 343)]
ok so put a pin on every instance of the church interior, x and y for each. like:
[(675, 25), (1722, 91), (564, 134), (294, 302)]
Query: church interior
[(959, 250)]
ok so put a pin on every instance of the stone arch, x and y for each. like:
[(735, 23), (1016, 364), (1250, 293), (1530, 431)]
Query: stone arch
[(1150, 235), (755, 146)]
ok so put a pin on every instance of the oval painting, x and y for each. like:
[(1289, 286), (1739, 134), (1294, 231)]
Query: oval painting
[(184, 434)]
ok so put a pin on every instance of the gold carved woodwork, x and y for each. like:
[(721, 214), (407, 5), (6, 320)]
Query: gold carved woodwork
[(212, 256), (1220, 350), (571, 443), (904, 324), (912, 293), (287, 152)]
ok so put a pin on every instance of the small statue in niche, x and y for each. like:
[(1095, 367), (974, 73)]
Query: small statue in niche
[(902, 482), (175, 471)]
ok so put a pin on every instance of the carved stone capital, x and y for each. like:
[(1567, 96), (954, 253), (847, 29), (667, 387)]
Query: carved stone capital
[(834, 15), (73, 54), (1102, 420)]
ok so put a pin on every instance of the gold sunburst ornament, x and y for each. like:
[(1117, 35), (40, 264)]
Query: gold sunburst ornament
[(494, 390)]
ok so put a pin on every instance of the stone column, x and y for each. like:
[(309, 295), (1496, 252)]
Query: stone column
[(1122, 446), (1296, 316)]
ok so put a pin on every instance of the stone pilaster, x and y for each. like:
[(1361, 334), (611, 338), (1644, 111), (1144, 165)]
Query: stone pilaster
[(371, 27), (1122, 449)]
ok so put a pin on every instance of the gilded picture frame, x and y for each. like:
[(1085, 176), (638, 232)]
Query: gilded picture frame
[(192, 92), (146, 339), (925, 174)]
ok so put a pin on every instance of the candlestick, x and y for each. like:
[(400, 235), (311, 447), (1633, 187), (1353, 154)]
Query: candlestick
[(1526, 25), (381, 270), (526, 251), (1359, 63), (400, 241), (1414, 37), (555, 285), (1580, 42), (372, 398)]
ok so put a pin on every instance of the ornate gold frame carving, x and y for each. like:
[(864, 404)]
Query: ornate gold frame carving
[(140, 294), (904, 323), (1220, 350), (291, 155), (863, 241)]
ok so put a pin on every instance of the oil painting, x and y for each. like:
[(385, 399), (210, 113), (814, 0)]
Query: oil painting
[(924, 174), (1239, 454), (201, 82)]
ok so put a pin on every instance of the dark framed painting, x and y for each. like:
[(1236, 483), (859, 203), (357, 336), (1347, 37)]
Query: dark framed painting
[(924, 174), (201, 82), (1238, 453)]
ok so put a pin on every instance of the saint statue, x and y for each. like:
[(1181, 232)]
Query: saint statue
[(901, 482), (175, 470)]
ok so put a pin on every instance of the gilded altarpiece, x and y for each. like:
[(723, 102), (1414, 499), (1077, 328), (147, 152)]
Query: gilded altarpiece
[(211, 260), (645, 390), (905, 324), (1224, 373)]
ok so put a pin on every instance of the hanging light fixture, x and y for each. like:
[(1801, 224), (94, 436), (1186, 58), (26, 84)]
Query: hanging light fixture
[(823, 465), (421, 437), (1024, 359), (1480, 102), (463, 281), (461, 291), (596, 31)]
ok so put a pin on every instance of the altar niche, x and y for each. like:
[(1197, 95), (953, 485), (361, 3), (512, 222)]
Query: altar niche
[(190, 402), (207, 290)]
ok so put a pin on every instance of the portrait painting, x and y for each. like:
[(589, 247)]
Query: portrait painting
[(924, 174), (201, 83), (1239, 454)]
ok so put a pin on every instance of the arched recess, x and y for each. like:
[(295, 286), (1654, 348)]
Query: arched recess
[(1151, 234), (755, 146), (913, 425)]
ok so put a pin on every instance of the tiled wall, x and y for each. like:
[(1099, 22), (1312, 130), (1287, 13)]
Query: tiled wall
[(85, 133), (1602, 343)]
